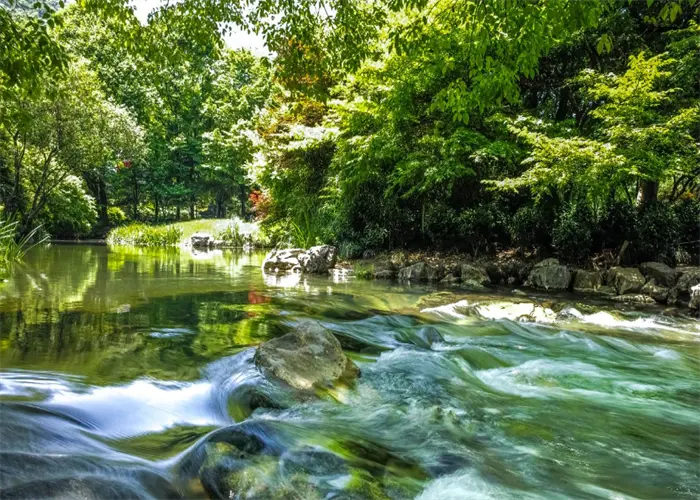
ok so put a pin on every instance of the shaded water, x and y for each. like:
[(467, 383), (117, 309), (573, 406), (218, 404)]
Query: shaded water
[(129, 374)]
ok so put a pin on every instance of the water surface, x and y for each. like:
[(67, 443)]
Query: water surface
[(121, 370)]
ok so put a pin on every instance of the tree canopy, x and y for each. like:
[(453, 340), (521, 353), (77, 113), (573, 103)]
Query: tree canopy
[(476, 125)]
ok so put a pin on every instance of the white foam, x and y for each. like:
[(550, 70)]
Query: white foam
[(142, 406)]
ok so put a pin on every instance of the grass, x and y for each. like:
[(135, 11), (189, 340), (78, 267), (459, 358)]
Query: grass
[(233, 231), (363, 271), (143, 235), (12, 249)]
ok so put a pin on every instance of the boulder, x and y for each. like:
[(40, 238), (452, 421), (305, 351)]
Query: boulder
[(282, 260), (202, 240), (474, 274), (587, 281), (569, 313), (549, 275), (694, 297), (656, 292), (664, 275), (512, 271), (318, 259), (419, 272), (688, 277), (305, 358), (625, 279)]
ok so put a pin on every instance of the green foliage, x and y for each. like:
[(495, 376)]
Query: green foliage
[(363, 271), (69, 211), (658, 231), (145, 235), (231, 235), (115, 216), (13, 247), (572, 233)]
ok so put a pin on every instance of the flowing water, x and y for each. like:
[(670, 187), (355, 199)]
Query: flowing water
[(129, 374)]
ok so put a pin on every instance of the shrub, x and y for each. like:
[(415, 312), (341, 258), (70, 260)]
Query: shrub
[(231, 235), (619, 224), (145, 235), (69, 211), (571, 235), (115, 216), (475, 228), (687, 215), (658, 234), (531, 228)]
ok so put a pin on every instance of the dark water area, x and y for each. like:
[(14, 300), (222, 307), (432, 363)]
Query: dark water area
[(128, 373)]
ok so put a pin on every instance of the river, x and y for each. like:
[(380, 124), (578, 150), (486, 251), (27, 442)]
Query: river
[(128, 373)]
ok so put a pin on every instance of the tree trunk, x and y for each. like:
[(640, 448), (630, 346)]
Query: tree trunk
[(647, 192), (563, 107), (156, 206), (243, 197)]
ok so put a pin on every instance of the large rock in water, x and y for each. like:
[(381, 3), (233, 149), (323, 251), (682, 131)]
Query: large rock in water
[(304, 358), (202, 240), (587, 281), (419, 272), (318, 259), (474, 276), (282, 260), (664, 275), (549, 275), (626, 280)]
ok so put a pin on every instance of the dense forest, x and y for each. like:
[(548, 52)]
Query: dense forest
[(563, 127)]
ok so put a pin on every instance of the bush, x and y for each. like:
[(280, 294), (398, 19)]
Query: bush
[(658, 234), (619, 224), (571, 235), (115, 216), (475, 228), (145, 235), (687, 215), (531, 228), (69, 211), (231, 235)]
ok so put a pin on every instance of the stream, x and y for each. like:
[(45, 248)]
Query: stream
[(128, 373)]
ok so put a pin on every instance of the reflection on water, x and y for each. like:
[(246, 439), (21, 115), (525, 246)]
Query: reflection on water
[(125, 373)]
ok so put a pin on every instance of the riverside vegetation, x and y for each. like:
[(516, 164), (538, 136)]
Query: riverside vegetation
[(475, 161), (568, 129)]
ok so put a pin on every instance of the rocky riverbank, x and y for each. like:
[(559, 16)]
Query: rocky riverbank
[(649, 283)]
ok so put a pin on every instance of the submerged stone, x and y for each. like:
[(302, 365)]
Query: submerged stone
[(633, 298), (304, 358)]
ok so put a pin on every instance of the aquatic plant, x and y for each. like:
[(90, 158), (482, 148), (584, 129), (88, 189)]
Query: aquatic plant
[(13, 248)]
